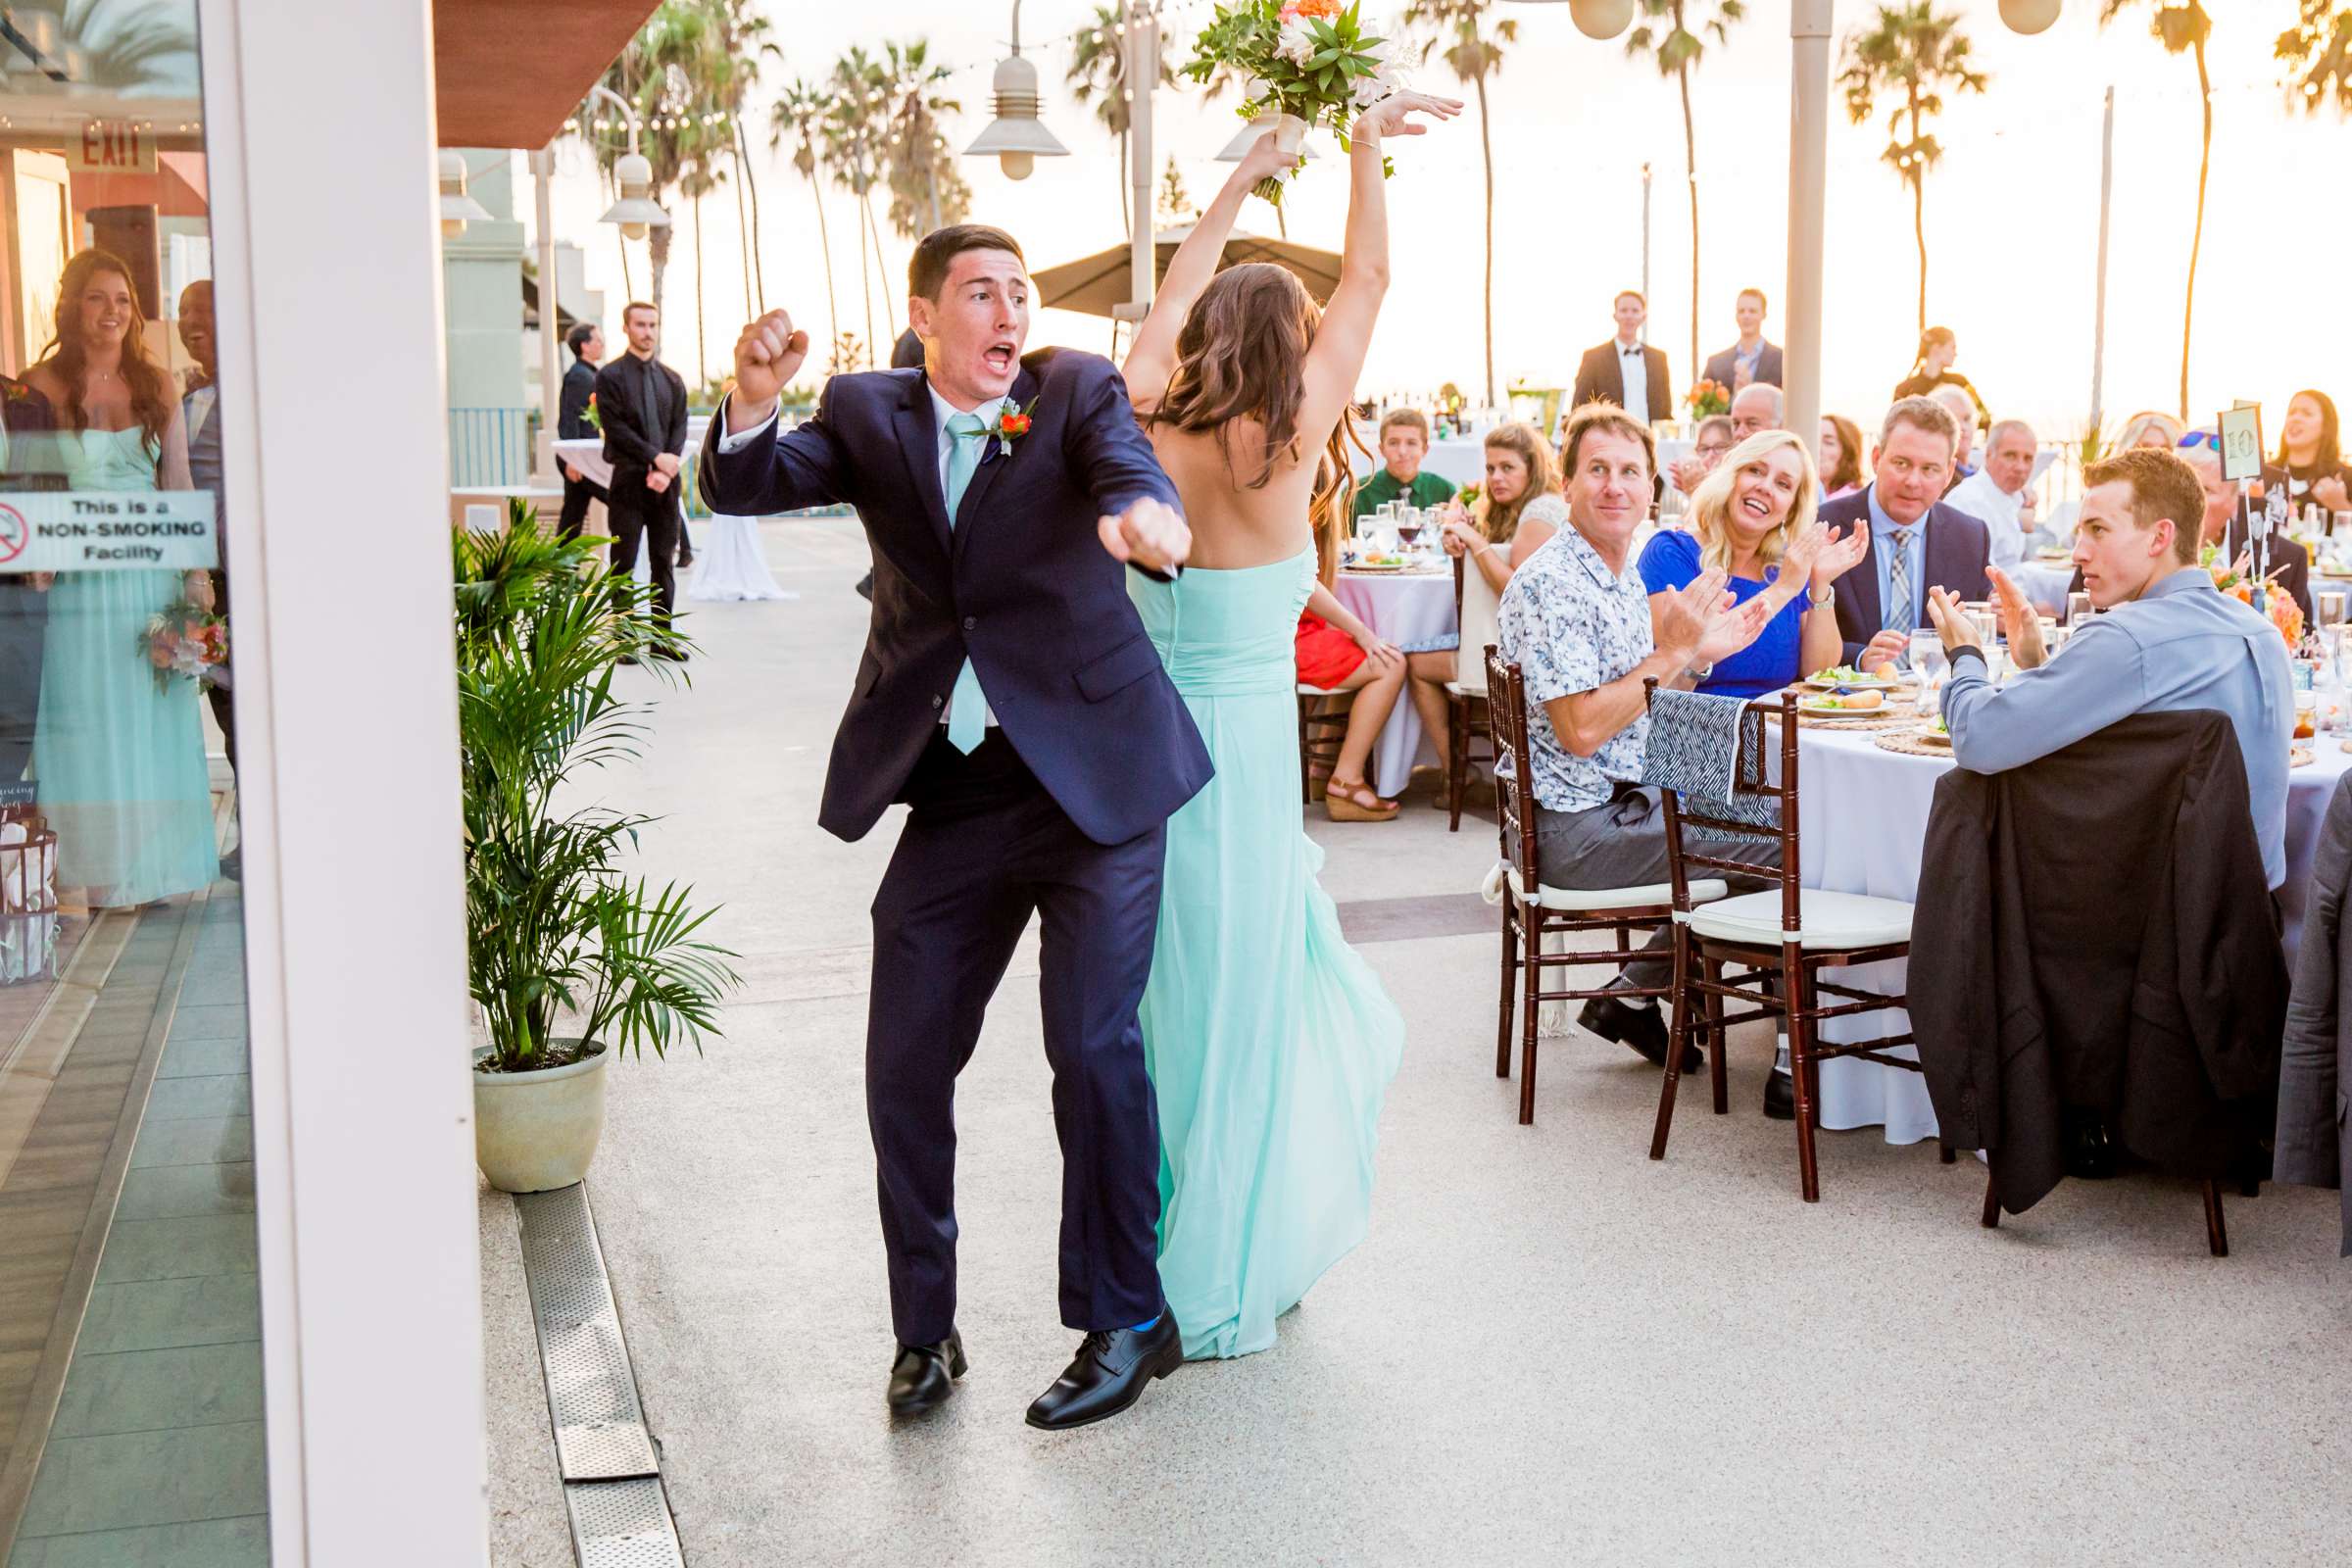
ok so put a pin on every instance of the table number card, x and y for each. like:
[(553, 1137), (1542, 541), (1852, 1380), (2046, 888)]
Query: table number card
[(2242, 443)]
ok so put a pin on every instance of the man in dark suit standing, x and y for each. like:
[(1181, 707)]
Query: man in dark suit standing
[(643, 404), (1915, 541), (586, 341), (1625, 370), (1011, 697), (1751, 359)]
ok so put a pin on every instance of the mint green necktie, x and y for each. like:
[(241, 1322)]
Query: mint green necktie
[(967, 713)]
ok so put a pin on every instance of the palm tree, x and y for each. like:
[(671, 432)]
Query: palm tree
[(2319, 46), (744, 38), (800, 113), (856, 124), (1677, 47), (667, 74), (2184, 30), (1917, 56), (1474, 52), (1098, 75), (927, 191)]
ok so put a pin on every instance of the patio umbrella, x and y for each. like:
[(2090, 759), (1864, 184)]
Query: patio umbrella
[(1094, 284)]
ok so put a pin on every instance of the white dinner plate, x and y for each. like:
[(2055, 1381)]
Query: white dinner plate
[(1860, 683)]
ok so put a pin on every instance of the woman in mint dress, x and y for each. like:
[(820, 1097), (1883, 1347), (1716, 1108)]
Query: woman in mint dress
[(1271, 1042), (118, 761)]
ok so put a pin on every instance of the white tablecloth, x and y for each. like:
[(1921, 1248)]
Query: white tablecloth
[(731, 565), (2045, 583), (1863, 813), (1415, 612)]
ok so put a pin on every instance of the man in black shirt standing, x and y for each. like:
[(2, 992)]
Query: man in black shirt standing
[(587, 343), (642, 403)]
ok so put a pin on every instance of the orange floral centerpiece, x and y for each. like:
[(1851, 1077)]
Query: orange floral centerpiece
[(1707, 398), (186, 640), (2237, 580)]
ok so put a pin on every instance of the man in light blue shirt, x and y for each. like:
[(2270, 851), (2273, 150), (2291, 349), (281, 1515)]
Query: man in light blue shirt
[(2169, 641)]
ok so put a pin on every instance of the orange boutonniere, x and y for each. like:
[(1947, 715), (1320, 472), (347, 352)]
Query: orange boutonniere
[(1011, 423)]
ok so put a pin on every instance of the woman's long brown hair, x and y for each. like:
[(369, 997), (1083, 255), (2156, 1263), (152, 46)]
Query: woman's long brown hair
[(1329, 509), (1240, 355), (150, 389)]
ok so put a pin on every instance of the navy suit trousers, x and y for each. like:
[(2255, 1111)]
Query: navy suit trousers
[(984, 847)]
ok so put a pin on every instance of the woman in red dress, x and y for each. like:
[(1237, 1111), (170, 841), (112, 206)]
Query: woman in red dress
[(1339, 653)]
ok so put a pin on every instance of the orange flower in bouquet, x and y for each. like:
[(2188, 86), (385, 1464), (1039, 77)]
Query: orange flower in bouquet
[(2276, 602), (1706, 398)]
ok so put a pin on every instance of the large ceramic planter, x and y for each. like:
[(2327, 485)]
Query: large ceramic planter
[(537, 1131)]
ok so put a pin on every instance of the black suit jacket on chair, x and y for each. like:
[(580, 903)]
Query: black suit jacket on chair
[(1601, 378), (1957, 549), (632, 440), (1723, 368), (1020, 583)]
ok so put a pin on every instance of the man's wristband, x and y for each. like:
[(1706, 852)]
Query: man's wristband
[(1965, 650)]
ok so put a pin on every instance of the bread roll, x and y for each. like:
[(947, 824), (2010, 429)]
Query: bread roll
[(1864, 701)]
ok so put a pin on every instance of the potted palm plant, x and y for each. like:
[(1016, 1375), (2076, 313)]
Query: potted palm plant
[(568, 957)]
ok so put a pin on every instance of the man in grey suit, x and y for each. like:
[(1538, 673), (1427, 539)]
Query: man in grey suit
[(1625, 370), (1751, 359)]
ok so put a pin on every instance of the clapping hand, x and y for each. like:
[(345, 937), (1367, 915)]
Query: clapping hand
[(767, 355), (1839, 554), (1389, 116), (2331, 493), (1955, 625), (1151, 534), (2020, 623)]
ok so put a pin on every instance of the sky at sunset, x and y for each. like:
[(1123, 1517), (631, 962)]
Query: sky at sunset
[(2012, 212)]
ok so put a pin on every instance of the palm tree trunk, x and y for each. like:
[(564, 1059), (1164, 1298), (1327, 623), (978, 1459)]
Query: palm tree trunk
[(1918, 212), (657, 248), (743, 243), (1486, 148), (2196, 242), (743, 161), (890, 316), (1126, 222), (866, 285), (1691, 170), (702, 370), (621, 241), (824, 240)]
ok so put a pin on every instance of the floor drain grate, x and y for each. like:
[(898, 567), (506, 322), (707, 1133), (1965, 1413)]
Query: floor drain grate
[(591, 1389), (622, 1523)]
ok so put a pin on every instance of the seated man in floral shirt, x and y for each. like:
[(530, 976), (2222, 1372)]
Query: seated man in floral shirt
[(1577, 621)]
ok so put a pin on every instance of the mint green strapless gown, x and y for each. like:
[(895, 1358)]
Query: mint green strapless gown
[(1271, 1042), (119, 765)]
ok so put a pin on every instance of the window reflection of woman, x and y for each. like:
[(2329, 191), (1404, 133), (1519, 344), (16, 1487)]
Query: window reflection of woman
[(119, 761), (1518, 508)]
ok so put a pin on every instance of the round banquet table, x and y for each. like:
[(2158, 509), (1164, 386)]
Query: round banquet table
[(1863, 815), (1413, 610)]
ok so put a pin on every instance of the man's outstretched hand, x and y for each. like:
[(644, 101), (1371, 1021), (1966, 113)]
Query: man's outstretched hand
[(1149, 533), (767, 356)]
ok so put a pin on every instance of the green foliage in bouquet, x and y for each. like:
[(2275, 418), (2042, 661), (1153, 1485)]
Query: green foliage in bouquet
[(1308, 58), (556, 932)]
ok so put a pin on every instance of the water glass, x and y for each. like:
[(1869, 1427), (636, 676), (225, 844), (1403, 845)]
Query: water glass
[(1927, 657), (2330, 607)]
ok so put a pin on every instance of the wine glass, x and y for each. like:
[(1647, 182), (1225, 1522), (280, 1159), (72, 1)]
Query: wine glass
[(1927, 657), (1408, 527)]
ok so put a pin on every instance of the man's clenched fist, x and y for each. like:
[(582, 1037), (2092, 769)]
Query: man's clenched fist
[(767, 356), (1148, 533)]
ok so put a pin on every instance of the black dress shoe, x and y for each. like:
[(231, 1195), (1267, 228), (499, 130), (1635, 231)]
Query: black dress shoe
[(924, 1375), (1111, 1373), (2091, 1155), (1638, 1029), (1780, 1096)]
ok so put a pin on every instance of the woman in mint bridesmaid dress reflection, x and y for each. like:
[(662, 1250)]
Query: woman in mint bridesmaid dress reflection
[(118, 760), (1271, 1042)]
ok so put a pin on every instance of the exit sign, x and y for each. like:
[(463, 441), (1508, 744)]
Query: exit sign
[(112, 147)]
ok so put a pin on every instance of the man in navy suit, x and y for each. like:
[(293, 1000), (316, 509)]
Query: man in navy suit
[(1752, 359), (1010, 697), (1915, 541)]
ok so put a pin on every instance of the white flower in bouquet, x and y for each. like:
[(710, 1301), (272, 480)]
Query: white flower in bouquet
[(1297, 43), (1311, 59)]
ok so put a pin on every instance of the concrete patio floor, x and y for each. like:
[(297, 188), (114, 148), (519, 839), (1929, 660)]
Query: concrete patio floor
[(1551, 1350)]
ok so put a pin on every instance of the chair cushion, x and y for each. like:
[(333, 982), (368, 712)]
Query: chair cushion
[(1659, 895), (1476, 694), (1829, 919), (1305, 690)]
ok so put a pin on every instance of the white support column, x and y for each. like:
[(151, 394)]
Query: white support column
[(551, 311), (1810, 32), (1142, 76), (323, 209)]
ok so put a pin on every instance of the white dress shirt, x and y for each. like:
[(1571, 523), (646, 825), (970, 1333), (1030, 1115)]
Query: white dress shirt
[(1981, 499), (940, 412), (1633, 365)]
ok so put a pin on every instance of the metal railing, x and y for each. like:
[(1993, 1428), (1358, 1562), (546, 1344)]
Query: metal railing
[(490, 446)]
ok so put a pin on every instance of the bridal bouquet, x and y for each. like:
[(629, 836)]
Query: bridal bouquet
[(185, 640), (1309, 60)]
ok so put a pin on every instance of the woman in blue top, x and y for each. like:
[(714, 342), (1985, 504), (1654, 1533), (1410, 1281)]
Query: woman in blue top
[(1752, 517)]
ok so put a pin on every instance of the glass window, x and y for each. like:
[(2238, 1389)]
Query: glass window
[(130, 1364)]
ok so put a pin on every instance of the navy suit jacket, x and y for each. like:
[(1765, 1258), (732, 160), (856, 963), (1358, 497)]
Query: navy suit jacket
[(1021, 584), (1957, 547)]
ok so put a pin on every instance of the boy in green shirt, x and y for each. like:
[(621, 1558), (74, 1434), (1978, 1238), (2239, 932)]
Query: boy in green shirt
[(1403, 443)]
